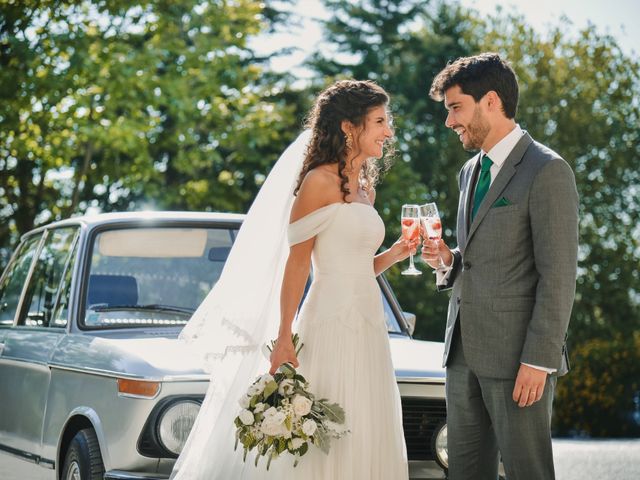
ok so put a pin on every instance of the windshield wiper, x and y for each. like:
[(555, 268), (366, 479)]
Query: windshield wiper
[(103, 307)]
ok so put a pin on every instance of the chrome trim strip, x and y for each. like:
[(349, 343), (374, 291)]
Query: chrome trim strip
[(29, 457), (422, 380), (121, 475), (112, 374), (22, 360)]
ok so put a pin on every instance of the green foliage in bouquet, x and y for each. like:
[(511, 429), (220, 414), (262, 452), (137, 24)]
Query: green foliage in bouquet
[(279, 414)]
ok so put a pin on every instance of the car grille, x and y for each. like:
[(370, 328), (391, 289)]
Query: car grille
[(421, 419)]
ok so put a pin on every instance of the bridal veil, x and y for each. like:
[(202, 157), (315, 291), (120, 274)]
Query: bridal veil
[(238, 316)]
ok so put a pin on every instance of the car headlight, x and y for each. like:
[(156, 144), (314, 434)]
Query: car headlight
[(175, 423), (442, 454)]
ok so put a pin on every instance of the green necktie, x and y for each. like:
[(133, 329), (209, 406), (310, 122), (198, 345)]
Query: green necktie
[(484, 180)]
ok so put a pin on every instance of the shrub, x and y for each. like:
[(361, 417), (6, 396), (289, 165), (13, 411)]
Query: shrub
[(597, 397)]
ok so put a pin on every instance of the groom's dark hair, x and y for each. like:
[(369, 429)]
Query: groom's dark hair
[(478, 75)]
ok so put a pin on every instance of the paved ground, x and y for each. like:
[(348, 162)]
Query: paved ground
[(597, 459), (585, 460), (574, 460)]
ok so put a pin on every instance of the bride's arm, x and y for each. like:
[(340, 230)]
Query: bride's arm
[(311, 196), (296, 273), (398, 251)]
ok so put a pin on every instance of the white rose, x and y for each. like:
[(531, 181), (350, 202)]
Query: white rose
[(285, 387), (301, 405), (274, 426), (270, 412), (296, 443), (266, 378), (309, 427), (279, 417), (246, 417), (259, 407), (244, 401), (255, 389)]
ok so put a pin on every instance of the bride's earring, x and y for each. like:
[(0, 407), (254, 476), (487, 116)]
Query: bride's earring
[(348, 141)]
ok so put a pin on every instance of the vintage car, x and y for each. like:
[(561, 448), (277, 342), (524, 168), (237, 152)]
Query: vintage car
[(93, 380)]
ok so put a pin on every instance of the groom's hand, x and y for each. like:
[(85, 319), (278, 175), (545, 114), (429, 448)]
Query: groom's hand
[(434, 250), (529, 385)]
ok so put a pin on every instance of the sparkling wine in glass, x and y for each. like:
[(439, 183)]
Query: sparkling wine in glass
[(431, 225), (411, 231)]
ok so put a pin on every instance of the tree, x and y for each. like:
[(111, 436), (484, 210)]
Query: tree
[(581, 96), (578, 95), (127, 104), (402, 45)]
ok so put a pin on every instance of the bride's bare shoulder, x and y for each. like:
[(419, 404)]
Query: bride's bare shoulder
[(318, 189)]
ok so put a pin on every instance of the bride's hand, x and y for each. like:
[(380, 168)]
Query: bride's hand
[(402, 248), (283, 352)]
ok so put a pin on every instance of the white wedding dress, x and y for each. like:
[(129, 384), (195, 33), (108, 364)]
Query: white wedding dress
[(346, 355)]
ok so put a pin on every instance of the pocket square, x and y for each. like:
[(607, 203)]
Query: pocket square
[(503, 202)]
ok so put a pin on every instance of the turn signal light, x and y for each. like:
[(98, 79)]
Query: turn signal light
[(138, 388)]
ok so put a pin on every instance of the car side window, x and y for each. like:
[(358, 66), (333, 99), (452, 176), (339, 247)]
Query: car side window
[(44, 285), (13, 281), (60, 316)]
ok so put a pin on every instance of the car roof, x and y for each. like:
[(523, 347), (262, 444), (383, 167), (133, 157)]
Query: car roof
[(138, 217)]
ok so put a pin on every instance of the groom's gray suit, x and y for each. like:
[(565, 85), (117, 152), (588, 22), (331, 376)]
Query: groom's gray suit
[(513, 281)]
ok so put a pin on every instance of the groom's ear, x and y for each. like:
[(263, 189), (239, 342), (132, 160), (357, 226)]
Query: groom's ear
[(494, 103)]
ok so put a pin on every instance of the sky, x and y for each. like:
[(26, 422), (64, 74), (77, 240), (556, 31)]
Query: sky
[(618, 18)]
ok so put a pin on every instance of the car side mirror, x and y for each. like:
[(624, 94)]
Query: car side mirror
[(410, 318)]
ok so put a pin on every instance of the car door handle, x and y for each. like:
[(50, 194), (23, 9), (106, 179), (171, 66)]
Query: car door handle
[(1, 347)]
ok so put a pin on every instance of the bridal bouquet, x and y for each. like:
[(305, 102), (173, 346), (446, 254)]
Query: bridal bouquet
[(280, 414)]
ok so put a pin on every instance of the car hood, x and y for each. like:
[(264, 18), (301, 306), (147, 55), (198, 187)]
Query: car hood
[(163, 356), (157, 357), (416, 358)]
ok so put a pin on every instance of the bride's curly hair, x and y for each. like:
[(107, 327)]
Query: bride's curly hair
[(344, 100)]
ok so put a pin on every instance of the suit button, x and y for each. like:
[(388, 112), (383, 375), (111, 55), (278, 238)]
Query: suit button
[(466, 265), (458, 301)]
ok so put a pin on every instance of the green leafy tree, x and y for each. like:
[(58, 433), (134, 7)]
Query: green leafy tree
[(581, 96), (578, 95), (127, 104), (402, 45)]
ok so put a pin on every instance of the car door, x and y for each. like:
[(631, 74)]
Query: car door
[(30, 343), (11, 287)]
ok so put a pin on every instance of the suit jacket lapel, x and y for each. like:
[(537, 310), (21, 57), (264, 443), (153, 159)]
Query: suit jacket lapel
[(468, 201), (507, 171), (467, 182)]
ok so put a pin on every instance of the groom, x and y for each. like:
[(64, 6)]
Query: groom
[(513, 277)]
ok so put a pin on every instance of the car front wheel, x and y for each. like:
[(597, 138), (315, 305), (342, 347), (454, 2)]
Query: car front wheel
[(83, 460)]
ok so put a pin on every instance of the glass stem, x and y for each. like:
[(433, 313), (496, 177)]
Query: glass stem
[(411, 266)]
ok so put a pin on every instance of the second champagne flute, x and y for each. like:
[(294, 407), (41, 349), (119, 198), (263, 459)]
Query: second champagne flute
[(431, 225), (411, 231)]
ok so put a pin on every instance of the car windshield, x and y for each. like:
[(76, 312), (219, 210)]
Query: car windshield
[(153, 276), (147, 277)]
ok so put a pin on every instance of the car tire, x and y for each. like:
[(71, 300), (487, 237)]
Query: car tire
[(83, 460)]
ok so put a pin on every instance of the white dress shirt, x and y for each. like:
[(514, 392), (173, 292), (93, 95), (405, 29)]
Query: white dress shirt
[(498, 154)]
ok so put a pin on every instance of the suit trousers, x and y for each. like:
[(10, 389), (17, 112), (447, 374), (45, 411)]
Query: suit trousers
[(484, 424)]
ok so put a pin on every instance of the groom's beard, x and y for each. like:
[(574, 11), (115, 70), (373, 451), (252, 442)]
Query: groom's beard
[(477, 131)]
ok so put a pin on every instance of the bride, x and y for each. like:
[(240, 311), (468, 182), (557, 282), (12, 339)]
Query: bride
[(319, 196)]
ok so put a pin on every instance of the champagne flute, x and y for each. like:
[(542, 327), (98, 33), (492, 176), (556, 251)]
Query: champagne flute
[(411, 231), (431, 225)]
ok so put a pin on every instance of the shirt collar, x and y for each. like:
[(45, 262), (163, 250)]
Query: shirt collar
[(501, 150)]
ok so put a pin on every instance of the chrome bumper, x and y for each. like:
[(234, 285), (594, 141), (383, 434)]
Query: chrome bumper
[(122, 475)]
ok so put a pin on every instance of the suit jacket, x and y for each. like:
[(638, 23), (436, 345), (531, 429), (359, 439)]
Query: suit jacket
[(514, 270)]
